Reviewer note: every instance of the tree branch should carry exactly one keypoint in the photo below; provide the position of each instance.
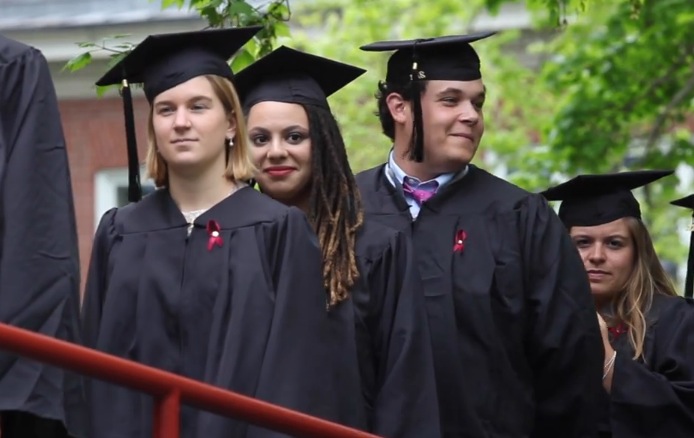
(660, 80)
(657, 82)
(662, 118)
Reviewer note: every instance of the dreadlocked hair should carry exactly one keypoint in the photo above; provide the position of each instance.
(334, 209)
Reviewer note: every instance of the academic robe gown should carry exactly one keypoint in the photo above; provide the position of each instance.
(516, 343)
(653, 396)
(39, 260)
(248, 314)
(392, 336)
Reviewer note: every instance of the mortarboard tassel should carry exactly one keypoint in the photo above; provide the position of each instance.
(134, 188)
(416, 151)
(688, 203)
(689, 280)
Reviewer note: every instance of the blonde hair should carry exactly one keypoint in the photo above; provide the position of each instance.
(239, 164)
(647, 279)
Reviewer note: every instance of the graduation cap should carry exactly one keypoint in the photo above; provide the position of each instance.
(292, 76)
(161, 62)
(447, 58)
(590, 200)
(688, 202)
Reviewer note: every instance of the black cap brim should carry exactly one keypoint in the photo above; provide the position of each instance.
(426, 43)
(583, 186)
(289, 75)
(591, 200)
(686, 202)
(138, 65)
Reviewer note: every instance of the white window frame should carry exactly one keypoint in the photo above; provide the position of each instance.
(106, 184)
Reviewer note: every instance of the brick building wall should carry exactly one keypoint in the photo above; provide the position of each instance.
(95, 136)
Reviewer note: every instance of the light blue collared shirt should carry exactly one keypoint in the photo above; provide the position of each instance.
(396, 176)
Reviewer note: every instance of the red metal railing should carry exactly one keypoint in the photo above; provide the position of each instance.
(168, 389)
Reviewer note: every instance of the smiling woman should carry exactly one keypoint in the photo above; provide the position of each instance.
(646, 328)
(202, 277)
(281, 148)
(367, 267)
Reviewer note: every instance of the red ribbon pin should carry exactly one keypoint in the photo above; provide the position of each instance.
(618, 330)
(459, 242)
(214, 231)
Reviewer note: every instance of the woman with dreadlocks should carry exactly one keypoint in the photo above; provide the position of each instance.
(646, 328)
(367, 268)
(204, 276)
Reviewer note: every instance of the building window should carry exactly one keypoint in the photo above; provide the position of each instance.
(122, 193)
(111, 190)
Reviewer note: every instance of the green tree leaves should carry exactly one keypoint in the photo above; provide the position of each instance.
(594, 86)
(273, 17)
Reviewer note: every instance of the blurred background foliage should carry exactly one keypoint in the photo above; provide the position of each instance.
(590, 86)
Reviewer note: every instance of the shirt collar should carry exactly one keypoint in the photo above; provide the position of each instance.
(400, 174)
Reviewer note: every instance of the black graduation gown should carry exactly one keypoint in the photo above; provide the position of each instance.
(653, 397)
(392, 336)
(249, 316)
(516, 343)
(39, 259)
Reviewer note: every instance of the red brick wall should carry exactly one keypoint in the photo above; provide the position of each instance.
(95, 136)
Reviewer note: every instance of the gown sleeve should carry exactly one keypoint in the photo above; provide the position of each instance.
(405, 403)
(39, 259)
(97, 278)
(302, 358)
(564, 343)
(657, 399)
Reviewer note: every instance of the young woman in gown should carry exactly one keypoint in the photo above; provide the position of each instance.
(206, 277)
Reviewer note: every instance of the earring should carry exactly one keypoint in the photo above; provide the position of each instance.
(230, 142)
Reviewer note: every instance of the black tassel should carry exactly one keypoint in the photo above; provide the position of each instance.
(134, 187)
(416, 151)
(689, 280)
